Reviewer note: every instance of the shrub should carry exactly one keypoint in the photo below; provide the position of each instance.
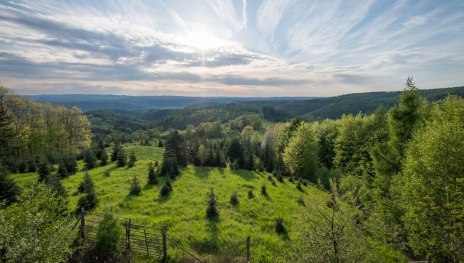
(103, 158)
(87, 184)
(107, 173)
(108, 237)
(166, 189)
(280, 178)
(234, 199)
(301, 201)
(90, 159)
(9, 191)
(250, 194)
(152, 174)
(298, 186)
(279, 226)
(62, 171)
(121, 158)
(44, 171)
(71, 165)
(132, 159)
(88, 201)
(135, 186)
(264, 190)
(211, 211)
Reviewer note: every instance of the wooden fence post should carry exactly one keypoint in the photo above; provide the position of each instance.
(248, 249)
(165, 254)
(128, 226)
(82, 229)
(146, 241)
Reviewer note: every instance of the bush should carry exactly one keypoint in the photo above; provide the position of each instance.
(121, 158)
(108, 237)
(71, 165)
(103, 158)
(166, 189)
(62, 171)
(132, 159)
(88, 201)
(135, 186)
(9, 191)
(250, 194)
(264, 190)
(152, 174)
(211, 210)
(301, 201)
(279, 226)
(44, 171)
(234, 199)
(107, 173)
(87, 184)
(280, 178)
(298, 186)
(90, 159)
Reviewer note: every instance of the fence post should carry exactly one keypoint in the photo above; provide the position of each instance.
(146, 241)
(128, 226)
(82, 229)
(165, 254)
(248, 249)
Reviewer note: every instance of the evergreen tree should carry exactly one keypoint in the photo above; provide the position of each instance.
(121, 158)
(132, 159)
(152, 175)
(90, 159)
(71, 164)
(62, 171)
(116, 149)
(103, 158)
(176, 148)
(211, 211)
(9, 191)
(135, 188)
(89, 200)
(57, 186)
(235, 153)
(44, 171)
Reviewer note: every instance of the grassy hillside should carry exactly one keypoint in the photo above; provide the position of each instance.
(184, 210)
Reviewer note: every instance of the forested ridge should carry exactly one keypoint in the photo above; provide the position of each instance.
(383, 183)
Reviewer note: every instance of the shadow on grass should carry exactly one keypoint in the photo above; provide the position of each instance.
(245, 174)
(149, 186)
(202, 172)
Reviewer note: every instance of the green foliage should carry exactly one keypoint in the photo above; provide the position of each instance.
(135, 188)
(279, 226)
(166, 189)
(212, 212)
(89, 199)
(152, 178)
(264, 190)
(121, 158)
(9, 191)
(301, 153)
(108, 238)
(44, 170)
(176, 148)
(132, 159)
(250, 194)
(57, 187)
(62, 171)
(90, 159)
(234, 199)
(433, 190)
(35, 228)
(202, 154)
(103, 158)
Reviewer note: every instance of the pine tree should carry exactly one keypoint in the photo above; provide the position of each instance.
(62, 171)
(116, 149)
(9, 191)
(44, 171)
(152, 175)
(132, 159)
(57, 186)
(71, 164)
(135, 186)
(90, 159)
(103, 158)
(121, 158)
(89, 200)
(211, 211)
(202, 154)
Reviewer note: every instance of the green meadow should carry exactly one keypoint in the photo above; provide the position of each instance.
(184, 210)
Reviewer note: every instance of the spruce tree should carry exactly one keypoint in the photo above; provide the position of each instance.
(44, 171)
(62, 171)
(152, 175)
(121, 158)
(211, 211)
(132, 159)
(135, 186)
(90, 159)
(103, 158)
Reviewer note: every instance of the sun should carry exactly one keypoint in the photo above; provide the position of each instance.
(203, 41)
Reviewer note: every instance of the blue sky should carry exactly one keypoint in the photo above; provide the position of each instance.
(230, 48)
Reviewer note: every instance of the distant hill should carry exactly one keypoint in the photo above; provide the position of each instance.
(89, 102)
(335, 107)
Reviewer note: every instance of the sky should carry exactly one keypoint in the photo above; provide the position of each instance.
(230, 48)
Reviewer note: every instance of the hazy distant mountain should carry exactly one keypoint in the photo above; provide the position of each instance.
(88, 102)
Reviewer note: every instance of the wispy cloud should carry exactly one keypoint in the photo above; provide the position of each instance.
(244, 48)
